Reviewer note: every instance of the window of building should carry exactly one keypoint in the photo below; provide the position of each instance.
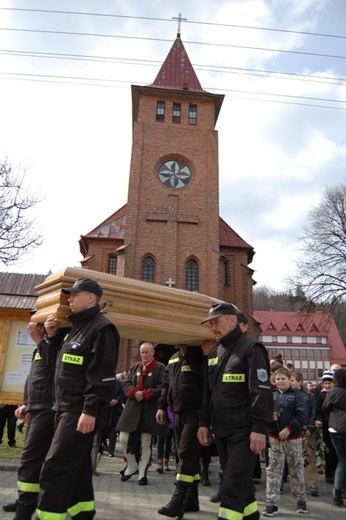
(112, 265)
(304, 339)
(274, 339)
(160, 111)
(148, 269)
(176, 112)
(295, 353)
(325, 354)
(318, 353)
(289, 339)
(311, 353)
(288, 352)
(191, 276)
(303, 353)
(305, 376)
(223, 273)
(193, 115)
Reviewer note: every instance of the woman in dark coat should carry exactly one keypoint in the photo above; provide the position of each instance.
(334, 407)
(137, 423)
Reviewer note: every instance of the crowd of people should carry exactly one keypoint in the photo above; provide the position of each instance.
(224, 399)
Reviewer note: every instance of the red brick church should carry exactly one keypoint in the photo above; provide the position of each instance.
(170, 231)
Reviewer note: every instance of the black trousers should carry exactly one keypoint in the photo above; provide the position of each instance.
(187, 445)
(66, 475)
(238, 463)
(7, 415)
(39, 434)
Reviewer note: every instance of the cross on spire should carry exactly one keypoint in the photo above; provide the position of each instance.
(180, 19)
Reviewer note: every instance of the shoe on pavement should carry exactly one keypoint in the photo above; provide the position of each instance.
(270, 510)
(11, 507)
(314, 491)
(301, 508)
(143, 481)
(125, 478)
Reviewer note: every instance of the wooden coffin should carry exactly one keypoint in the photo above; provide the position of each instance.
(140, 310)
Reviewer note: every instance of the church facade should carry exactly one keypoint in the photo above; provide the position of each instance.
(170, 232)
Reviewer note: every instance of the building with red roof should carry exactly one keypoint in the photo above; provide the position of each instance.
(310, 341)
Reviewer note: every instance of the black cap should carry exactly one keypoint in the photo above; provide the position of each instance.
(85, 284)
(218, 309)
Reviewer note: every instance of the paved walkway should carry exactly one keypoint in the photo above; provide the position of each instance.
(116, 500)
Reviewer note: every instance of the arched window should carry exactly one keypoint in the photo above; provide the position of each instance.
(148, 269)
(112, 265)
(191, 276)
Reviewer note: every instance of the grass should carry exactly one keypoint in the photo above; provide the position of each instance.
(8, 453)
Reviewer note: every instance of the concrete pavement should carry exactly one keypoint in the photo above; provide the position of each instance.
(129, 501)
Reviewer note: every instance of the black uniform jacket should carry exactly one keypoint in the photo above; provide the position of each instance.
(237, 391)
(183, 381)
(85, 368)
(39, 385)
(38, 390)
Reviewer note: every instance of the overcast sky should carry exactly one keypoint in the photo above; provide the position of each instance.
(282, 131)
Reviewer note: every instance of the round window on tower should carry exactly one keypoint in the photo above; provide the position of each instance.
(174, 174)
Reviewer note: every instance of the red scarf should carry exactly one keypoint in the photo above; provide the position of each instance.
(143, 371)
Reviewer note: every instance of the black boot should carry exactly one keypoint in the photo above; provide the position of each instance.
(218, 494)
(23, 513)
(10, 507)
(176, 505)
(337, 497)
(191, 502)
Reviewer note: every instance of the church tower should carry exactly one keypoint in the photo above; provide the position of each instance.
(172, 220)
(170, 231)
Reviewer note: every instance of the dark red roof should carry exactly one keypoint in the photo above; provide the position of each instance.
(229, 238)
(315, 324)
(177, 72)
(115, 227)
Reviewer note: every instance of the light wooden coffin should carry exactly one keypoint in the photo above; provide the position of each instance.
(140, 310)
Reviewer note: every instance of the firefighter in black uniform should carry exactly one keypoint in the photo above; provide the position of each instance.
(84, 384)
(237, 408)
(37, 411)
(183, 390)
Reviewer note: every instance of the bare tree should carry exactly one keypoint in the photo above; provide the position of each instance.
(321, 272)
(18, 231)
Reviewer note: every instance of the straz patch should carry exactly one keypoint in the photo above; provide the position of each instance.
(186, 368)
(73, 360)
(262, 375)
(233, 378)
(37, 356)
